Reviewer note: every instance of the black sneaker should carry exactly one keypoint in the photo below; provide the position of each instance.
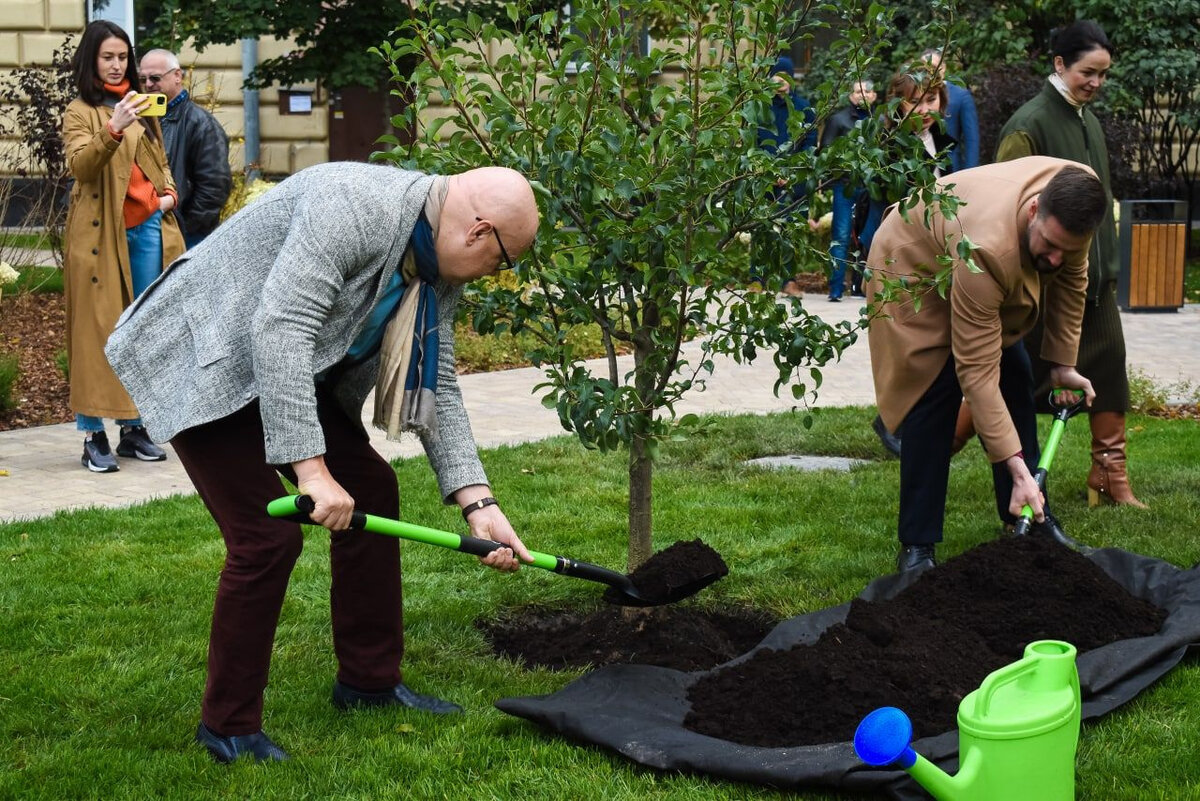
(97, 456)
(136, 443)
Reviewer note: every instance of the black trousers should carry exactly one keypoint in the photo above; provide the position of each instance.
(226, 461)
(928, 434)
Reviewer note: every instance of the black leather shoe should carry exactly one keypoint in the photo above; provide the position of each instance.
(1050, 527)
(916, 557)
(227, 749)
(345, 697)
(891, 442)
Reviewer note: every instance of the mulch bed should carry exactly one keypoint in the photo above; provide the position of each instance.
(33, 326)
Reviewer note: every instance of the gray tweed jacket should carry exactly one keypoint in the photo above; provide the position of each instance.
(274, 296)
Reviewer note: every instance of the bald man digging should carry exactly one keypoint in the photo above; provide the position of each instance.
(253, 355)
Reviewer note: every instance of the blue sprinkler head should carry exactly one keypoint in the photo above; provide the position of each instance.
(883, 738)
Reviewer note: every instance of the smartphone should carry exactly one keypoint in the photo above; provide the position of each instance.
(157, 107)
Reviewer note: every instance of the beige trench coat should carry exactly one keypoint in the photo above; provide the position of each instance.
(983, 311)
(97, 281)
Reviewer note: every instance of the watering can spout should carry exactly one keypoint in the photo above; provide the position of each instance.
(883, 739)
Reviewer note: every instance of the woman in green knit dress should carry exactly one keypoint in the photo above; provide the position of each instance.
(1057, 122)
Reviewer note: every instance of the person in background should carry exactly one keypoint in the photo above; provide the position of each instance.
(254, 355)
(197, 148)
(120, 233)
(1030, 222)
(962, 122)
(1058, 122)
(921, 96)
(777, 139)
(846, 196)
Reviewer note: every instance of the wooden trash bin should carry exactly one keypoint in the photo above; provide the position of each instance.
(1153, 244)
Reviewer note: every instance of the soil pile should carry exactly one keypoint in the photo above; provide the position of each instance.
(674, 573)
(923, 650)
(675, 637)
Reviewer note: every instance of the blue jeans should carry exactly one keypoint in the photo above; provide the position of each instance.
(145, 252)
(90, 425)
(145, 264)
(844, 199)
(871, 225)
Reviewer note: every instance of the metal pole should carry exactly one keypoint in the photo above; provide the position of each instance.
(250, 110)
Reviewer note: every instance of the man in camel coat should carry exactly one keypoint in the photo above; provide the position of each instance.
(1029, 223)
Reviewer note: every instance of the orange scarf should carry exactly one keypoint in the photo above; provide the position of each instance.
(141, 198)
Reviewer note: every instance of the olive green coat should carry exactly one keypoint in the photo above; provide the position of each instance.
(1048, 125)
(97, 281)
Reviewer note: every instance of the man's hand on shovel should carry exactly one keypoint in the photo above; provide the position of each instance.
(334, 505)
(1025, 491)
(487, 522)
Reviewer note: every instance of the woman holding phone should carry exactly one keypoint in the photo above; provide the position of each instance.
(120, 232)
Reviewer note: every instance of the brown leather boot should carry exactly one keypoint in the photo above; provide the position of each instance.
(964, 429)
(1108, 480)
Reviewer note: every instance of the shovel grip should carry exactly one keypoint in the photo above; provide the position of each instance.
(298, 509)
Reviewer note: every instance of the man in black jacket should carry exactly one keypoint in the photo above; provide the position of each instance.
(197, 148)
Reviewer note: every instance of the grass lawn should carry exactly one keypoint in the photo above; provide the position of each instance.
(105, 620)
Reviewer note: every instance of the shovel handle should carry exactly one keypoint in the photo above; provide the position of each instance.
(1066, 412)
(1061, 415)
(298, 507)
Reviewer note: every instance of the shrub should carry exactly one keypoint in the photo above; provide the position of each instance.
(10, 371)
(36, 98)
(246, 188)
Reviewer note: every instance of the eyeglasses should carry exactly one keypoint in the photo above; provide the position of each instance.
(508, 262)
(155, 78)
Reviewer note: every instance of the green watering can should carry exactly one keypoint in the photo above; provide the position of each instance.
(1017, 734)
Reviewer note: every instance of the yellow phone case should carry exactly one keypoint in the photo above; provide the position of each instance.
(157, 107)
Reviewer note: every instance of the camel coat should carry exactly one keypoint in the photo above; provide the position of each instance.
(983, 312)
(97, 281)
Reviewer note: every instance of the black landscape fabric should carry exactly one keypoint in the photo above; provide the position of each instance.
(639, 710)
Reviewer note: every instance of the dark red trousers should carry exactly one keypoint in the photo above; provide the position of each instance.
(226, 461)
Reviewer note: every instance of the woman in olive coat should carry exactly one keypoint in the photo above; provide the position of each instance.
(1057, 122)
(120, 233)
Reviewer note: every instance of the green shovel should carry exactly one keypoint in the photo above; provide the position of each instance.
(1061, 415)
(622, 590)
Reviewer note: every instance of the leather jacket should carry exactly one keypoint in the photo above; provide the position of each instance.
(198, 152)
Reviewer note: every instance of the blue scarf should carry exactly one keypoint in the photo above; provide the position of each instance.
(404, 326)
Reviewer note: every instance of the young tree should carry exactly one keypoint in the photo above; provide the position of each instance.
(643, 152)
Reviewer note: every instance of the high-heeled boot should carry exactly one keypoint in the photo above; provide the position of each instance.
(1108, 480)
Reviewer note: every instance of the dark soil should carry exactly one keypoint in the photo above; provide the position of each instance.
(922, 651)
(665, 636)
(683, 638)
(673, 574)
(33, 326)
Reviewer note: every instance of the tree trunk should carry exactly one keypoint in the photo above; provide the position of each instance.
(641, 464)
(641, 495)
